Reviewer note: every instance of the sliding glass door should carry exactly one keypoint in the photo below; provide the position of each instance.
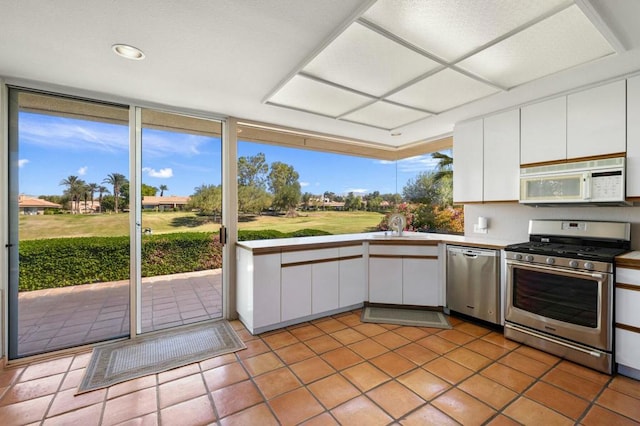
(68, 223)
(114, 219)
(181, 215)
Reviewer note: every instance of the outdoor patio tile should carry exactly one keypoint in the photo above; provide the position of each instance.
(262, 363)
(295, 407)
(130, 386)
(224, 375)
(25, 412)
(44, 369)
(256, 415)
(68, 401)
(129, 406)
(395, 399)
(86, 416)
(277, 382)
(32, 389)
(234, 398)
(362, 411)
(294, 353)
(527, 411)
(428, 415)
(333, 390)
(598, 416)
(196, 411)
(180, 390)
(464, 408)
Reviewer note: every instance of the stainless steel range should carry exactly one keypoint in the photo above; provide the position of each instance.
(560, 288)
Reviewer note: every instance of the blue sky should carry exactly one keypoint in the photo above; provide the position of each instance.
(52, 148)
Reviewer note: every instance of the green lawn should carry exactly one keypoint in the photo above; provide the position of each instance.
(105, 225)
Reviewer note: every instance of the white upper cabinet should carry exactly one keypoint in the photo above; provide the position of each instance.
(467, 161)
(543, 133)
(633, 137)
(501, 155)
(596, 121)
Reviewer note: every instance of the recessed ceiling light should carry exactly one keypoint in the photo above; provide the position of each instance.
(396, 134)
(128, 52)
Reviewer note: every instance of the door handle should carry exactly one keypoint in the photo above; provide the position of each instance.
(222, 235)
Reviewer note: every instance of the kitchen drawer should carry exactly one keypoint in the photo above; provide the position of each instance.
(628, 276)
(409, 250)
(628, 307)
(628, 348)
(351, 251)
(310, 255)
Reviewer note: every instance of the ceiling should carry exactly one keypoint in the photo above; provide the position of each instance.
(392, 72)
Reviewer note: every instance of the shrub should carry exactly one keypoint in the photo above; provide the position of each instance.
(62, 262)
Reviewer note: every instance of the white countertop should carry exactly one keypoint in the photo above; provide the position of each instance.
(412, 237)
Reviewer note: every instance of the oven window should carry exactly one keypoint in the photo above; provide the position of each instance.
(568, 299)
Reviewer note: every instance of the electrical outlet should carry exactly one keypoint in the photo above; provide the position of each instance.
(479, 230)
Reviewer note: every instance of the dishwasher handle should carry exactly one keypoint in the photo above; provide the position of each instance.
(472, 252)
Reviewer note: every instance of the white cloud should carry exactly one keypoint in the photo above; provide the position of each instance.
(162, 173)
(419, 163)
(23, 162)
(357, 191)
(303, 184)
(82, 171)
(385, 162)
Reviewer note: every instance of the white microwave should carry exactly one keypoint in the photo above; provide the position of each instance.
(585, 182)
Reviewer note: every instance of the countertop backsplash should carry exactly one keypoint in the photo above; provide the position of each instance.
(510, 221)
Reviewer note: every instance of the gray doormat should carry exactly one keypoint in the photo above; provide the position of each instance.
(403, 316)
(129, 359)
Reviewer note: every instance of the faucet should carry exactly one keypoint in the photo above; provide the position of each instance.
(397, 222)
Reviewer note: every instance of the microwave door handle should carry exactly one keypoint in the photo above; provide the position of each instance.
(586, 186)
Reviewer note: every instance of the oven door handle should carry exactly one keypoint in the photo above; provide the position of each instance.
(563, 271)
(557, 342)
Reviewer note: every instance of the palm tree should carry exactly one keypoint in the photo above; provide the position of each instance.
(74, 191)
(91, 189)
(162, 189)
(101, 191)
(444, 167)
(116, 180)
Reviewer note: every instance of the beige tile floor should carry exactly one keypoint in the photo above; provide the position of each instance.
(336, 370)
(60, 318)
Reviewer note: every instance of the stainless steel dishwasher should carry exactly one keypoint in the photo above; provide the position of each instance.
(473, 282)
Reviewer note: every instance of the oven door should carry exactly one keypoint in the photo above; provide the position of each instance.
(575, 305)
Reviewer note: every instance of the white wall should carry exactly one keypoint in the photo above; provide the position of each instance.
(510, 221)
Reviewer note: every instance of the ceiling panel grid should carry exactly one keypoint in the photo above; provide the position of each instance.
(403, 61)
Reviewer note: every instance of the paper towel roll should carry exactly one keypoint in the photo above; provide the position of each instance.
(482, 222)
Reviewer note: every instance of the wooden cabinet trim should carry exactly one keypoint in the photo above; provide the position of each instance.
(574, 160)
(627, 263)
(401, 256)
(624, 286)
(311, 262)
(628, 328)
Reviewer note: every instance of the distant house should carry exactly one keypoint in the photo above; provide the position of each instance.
(164, 203)
(34, 206)
(89, 206)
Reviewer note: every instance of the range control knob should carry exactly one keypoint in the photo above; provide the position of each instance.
(528, 258)
(517, 256)
(550, 261)
(588, 265)
(573, 263)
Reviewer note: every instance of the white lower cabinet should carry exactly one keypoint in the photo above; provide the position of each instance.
(325, 283)
(258, 289)
(352, 276)
(418, 284)
(275, 289)
(407, 275)
(296, 292)
(628, 318)
(385, 279)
